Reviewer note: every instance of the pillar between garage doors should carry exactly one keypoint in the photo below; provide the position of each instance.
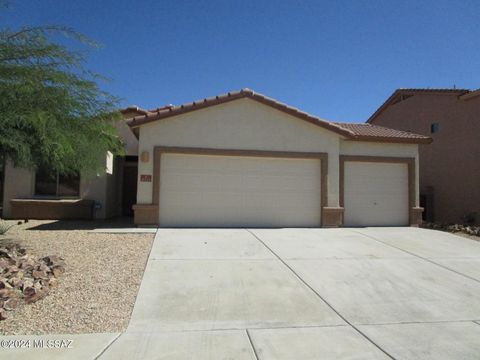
(332, 216)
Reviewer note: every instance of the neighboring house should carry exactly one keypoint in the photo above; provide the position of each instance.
(243, 159)
(450, 166)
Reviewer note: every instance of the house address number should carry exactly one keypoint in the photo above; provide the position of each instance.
(146, 178)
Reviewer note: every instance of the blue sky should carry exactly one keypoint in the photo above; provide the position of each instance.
(336, 59)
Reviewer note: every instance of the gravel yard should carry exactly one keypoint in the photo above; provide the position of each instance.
(471, 237)
(97, 291)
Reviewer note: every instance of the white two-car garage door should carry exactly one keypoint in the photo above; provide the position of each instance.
(375, 194)
(236, 191)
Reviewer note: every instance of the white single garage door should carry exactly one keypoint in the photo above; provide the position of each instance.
(375, 194)
(233, 191)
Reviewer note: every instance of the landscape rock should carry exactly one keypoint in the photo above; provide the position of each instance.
(11, 304)
(53, 260)
(24, 278)
(58, 271)
(7, 293)
(27, 264)
(39, 274)
(39, 294)
(15, 282)
(53, 282)
(3, 264)
(29, 291)
(27, 283)
(454, 228)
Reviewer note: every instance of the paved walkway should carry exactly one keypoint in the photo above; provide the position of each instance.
(299, 294)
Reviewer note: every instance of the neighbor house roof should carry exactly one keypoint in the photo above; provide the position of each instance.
(404, 93)
(344, 129)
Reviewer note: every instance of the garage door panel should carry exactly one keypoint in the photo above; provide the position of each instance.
(375, 194)
(201, 190)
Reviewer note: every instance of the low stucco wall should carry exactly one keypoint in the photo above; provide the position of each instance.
(51, 209)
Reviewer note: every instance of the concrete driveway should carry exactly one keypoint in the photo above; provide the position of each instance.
(299, 294)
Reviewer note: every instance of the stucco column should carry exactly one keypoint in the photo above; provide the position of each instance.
(332, 213)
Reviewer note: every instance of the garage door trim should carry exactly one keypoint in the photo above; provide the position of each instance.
(410, 162)
(159, 150)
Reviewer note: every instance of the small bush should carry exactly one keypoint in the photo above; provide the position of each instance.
(4, 227)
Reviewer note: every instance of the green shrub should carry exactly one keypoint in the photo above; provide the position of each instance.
(4, 227)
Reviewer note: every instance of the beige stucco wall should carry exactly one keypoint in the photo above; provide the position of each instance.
(102, 188)
(20, 184)
(384, 149)
(243, 125)
(130, 141)
(94, 187)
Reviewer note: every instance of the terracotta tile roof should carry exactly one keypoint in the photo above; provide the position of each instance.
(407, 92)
(365, 131)
(135, 109)
(170, 111)
(432, 90)
(348, 130)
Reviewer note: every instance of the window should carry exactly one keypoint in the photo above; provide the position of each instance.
(434, 128)
(45, 183)
(68, 185)
(53, 184)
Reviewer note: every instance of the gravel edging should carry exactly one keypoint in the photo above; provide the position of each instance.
(471, 237)
(98, 290)
(465, 231)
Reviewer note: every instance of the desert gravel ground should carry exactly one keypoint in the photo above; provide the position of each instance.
(98, 290)
(471, 237)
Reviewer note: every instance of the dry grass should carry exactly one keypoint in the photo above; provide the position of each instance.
(98, 290)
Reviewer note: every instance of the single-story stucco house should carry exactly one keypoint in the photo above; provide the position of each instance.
(242, 159)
